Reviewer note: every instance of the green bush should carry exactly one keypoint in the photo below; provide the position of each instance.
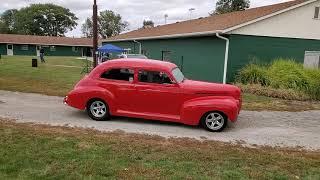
(253, 74)
(314, 83)
(284, 74)
(287, 74)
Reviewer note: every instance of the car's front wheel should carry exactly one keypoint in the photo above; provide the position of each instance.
(98, 110)
(214, 121)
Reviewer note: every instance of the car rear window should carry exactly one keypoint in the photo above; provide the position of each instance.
(122, 74)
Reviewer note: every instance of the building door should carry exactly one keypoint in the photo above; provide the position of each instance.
(38, 50)
(312, 59)
(84, 52)
(166, 56)
(10, 49)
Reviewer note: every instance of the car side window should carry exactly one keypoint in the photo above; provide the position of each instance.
(122, 74)
(154, 77)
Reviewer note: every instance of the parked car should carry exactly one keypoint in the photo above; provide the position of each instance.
(154, 90)
(132, 56)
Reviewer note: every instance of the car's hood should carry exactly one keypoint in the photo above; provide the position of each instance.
(206, 88)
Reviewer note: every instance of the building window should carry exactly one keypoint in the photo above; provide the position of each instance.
(119, 74)
(24, 47)
(52, 48)
(75, 49)
(316, 12)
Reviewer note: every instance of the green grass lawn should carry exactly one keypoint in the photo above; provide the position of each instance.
(42, 152)
(16, 74)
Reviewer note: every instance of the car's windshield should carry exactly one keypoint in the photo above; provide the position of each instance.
(178, 75)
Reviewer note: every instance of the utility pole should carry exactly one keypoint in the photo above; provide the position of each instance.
(190, 11)
(165, 18)
(95, 33)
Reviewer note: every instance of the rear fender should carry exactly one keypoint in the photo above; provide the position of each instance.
(194, 109)
(79, 97)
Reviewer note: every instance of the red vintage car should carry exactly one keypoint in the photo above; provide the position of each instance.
(157, 90)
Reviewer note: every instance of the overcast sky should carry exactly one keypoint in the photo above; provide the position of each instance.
(134, 11)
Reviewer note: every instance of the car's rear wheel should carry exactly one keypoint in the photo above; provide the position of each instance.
(98, 110)
(214, 121)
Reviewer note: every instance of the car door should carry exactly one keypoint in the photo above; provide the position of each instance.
(120, 82)
(157, 94)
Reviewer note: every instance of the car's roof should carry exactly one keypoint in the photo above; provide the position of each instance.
(136, 63)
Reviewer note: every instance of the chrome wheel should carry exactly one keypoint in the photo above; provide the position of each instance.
(214, 121)
(98, 109)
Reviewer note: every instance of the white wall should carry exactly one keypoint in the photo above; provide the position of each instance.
(297, 23)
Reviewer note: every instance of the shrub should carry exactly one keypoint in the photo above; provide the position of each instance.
(313, 77)
(253, 74)
(287, 76)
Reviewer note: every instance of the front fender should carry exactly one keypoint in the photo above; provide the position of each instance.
(194, 109)
(79, 97)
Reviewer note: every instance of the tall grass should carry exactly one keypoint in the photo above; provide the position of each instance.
(253, 74)
(282, 74)
(287, 74)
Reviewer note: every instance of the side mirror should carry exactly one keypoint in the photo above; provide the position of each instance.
(173, 82)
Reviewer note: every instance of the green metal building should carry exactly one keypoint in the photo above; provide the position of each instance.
(26, 45)
(215, 48)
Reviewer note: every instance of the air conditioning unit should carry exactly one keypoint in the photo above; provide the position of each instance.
(312, 59)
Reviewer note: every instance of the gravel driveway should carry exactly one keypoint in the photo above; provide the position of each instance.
(284, 129)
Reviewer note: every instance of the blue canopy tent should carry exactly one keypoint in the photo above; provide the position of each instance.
(109, 48)
(105, 52)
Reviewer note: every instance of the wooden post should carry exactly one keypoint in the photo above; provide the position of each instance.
(95, 32)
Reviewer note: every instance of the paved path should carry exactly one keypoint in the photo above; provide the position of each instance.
(285, 129)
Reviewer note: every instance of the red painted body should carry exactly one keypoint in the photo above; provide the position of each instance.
(184, 102)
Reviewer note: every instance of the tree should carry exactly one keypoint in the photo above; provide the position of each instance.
(87, 28)
(3, 27)
(111, 24)
(227, 6)
(45, 20)
(7, 21)
(148, 24)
